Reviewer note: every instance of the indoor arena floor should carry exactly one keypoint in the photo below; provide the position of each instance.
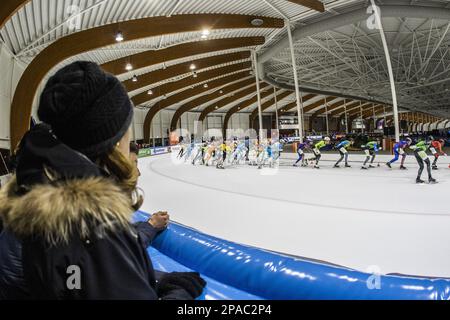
(367, 220)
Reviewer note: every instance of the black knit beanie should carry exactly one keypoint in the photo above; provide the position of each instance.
(88, 109)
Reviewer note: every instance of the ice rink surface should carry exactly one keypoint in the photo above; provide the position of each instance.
(367, 220)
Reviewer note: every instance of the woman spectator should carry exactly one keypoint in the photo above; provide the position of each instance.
(67, 211)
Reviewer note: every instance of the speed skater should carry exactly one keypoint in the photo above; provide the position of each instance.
(436, 150)
(399, 150)
(420, 152)
(342, 148)
(301, 147)
(321, 144)
(370, 149)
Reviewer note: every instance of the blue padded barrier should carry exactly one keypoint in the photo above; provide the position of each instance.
(214, 289)
(275, 276)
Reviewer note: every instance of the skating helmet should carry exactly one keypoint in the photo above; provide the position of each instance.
(430, 138)
(441, 140)
(327, 139)
(408, 141)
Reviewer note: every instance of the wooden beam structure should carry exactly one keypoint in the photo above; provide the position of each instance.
(205, 76)
(177, 70)
(185, 95)
(243, 105)
(270, 103)
(183, 50)
(285, 109)
(312, 4)
(207, 98)
(230, 99)
(103, 36)
(8, 8)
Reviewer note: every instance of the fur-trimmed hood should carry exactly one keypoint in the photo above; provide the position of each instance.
(55, 210)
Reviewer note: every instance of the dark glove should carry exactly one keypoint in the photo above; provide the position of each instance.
(191, 282)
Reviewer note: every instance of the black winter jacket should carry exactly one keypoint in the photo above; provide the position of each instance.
(112, 260)
(66, 232)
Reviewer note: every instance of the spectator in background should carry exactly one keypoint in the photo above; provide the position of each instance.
(66, 213)
(134, 152)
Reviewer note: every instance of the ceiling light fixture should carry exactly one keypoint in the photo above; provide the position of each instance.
(257, 22)
(205, 85)
(129, 67)
(150, 92)
(205, 33)
(192, 67)
(135, 79)
(119, 36)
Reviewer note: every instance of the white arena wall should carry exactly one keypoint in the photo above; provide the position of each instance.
(11, 71)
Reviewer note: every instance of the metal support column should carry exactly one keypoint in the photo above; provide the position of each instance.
(391, 73)
(258, 94)
(361, 116)
(374, 118)
(161, 129)
(297, 92)
(276, 107)
(326, 117)
(346, 118)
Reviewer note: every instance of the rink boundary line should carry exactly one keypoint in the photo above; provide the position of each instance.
(291, 201)
(341, 170)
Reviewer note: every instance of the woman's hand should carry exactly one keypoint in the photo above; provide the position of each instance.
(159, 220)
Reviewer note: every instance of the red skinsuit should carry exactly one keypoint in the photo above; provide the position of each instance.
(438, 146)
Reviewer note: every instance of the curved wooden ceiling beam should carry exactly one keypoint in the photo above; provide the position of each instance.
(103, 36)
(245, 91)
(205, 99)
(363, 108)
(186, 94)
(243, 105)
(270, 103)
(264, 105)
(148, 58)
(319, 103)
(329, 108)
(182, 68)
(370, 114)
(312, 4)
(355, 106)
(311, 106)
(316, 104)
(189, 81)
(8, 8)
(367, 114)
(285, 109)
(341, 110)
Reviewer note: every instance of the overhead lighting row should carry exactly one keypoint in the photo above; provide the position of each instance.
(119, 35)
(128, 67)
(205, 34)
